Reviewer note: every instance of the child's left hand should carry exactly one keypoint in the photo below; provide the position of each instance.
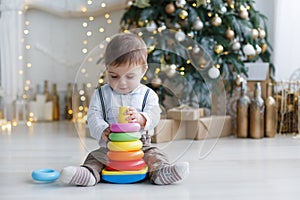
(135, 116)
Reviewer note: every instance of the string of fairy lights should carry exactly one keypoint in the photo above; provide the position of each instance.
(25, 69)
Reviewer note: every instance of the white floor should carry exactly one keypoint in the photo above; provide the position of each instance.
(227, 168)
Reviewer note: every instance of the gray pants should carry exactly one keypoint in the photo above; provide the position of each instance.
(154, 158)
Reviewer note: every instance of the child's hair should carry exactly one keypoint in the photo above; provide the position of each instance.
(126, 49)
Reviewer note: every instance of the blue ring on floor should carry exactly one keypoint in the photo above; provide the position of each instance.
(45, 175)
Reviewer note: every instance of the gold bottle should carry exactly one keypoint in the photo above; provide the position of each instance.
(256, 126)
(270, 112)
(242, 112)
(55, 99)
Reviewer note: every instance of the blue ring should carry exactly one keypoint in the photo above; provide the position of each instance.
(45, 175)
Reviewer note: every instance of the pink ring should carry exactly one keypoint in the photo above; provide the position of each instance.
(129, 127)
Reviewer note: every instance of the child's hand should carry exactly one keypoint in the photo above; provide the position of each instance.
(135, 116)
(105, 134)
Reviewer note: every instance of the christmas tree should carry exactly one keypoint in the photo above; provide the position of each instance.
(232, 32)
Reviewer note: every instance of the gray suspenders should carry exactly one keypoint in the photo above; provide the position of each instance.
(103, 104)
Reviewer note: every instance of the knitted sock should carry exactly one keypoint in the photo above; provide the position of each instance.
(80, 176)
(172, 173)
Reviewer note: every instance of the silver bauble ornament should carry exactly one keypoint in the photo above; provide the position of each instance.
(216, 21)
(198, 25)
(171, 71)
(213, 73)
(236, 46)
(196, 49)
(180, 3)
(180, 36)
(151, 26)
(156, 82)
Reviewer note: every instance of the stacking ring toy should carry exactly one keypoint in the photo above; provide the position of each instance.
(125, 155)
(45, 175)
(129, 127)
(124, 137)
(124, 177)
(133, 165)
(125, 146)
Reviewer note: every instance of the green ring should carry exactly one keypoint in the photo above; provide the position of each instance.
(124, 137)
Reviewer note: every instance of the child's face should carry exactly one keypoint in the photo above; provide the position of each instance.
(124, 79)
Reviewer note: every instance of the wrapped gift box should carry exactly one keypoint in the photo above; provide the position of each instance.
(168, 130)
(185, 113)
(202, 128)
(209, 127)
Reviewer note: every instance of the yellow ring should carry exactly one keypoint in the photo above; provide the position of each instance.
(125, 146)
(142, 171)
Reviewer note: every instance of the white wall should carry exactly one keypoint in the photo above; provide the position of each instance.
(57, 42)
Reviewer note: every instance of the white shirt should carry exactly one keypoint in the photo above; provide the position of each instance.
(113, 101)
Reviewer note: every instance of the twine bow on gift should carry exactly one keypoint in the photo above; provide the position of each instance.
(183, 107)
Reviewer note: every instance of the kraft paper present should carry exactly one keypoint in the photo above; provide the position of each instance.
(209, 127)
(183, 113)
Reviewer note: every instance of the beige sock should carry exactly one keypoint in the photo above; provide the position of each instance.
(172, 173)
(80, 176)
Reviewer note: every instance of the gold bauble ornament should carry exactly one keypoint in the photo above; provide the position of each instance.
(244, 14)
(170, 8)
(230, 34)
(218, 49)
(141, 23)
(264, 47)
(156, 82)
(216, 21)
(262, 34)
(150, 48)
(183, 14)
(254, 33)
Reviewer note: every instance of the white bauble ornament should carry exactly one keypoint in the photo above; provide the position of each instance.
(198, 25)
(236, 46)
(258, 49)
(213, 73)
(180, 36)
(223, 10)
(249, 50)
(151, 26)
(180, 3)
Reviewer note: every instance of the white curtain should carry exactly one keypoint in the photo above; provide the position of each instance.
(287, 39)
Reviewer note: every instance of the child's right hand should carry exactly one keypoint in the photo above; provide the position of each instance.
(105, 134)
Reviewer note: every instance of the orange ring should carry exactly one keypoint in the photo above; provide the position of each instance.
(133, 165)
(125, 155)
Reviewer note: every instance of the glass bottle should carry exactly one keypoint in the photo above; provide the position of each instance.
(270, 113)
(256, 126)
(242, 112)
(68, 103)
(55, 99)
(75, 102)
(46, 91)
